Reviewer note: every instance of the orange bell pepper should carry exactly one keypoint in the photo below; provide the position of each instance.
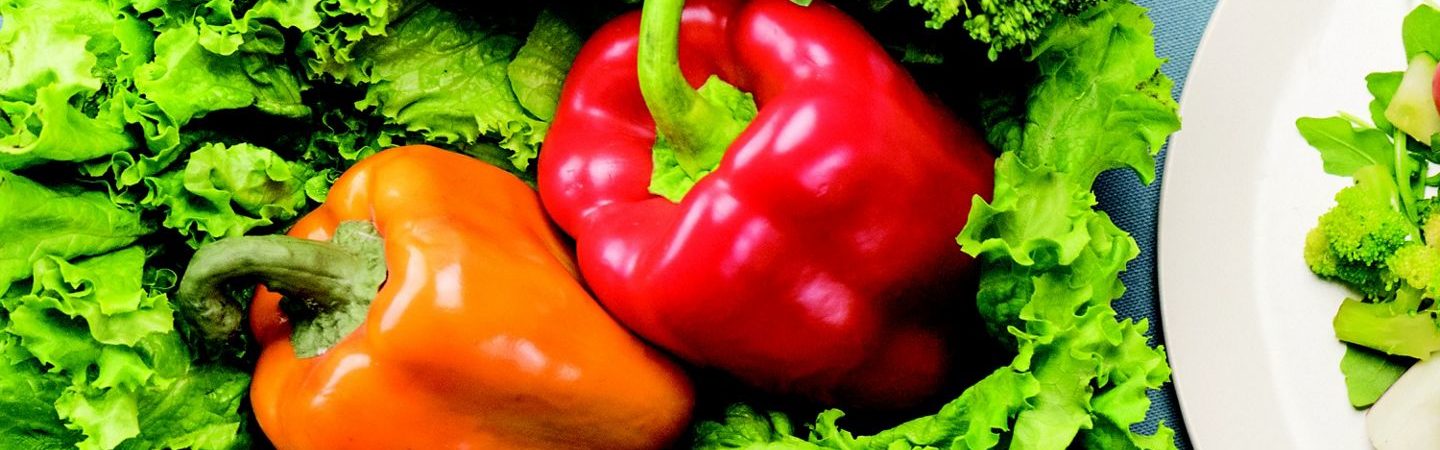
(482, 335)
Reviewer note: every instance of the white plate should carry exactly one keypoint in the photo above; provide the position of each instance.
(1248, 327)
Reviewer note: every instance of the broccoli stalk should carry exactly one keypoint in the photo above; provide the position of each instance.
(1396, 327)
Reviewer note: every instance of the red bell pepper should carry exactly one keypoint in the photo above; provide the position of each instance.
(818, 256)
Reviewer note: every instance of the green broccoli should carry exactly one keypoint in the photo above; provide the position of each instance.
(1430, 229)
(1355, 240)
(1419, 265)
(1002, 24)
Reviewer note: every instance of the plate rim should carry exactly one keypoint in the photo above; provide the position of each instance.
(1208, 405)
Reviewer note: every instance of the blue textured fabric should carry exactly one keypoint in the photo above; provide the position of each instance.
(1179, 25)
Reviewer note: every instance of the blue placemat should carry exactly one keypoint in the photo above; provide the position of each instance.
(1179, 25)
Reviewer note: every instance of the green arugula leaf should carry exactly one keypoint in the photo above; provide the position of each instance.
(1345, 148)
(1383, 85)
(1368, 374)
(1418, 32)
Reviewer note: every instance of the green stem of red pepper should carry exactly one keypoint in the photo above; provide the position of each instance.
(697, 129)
(323, 276)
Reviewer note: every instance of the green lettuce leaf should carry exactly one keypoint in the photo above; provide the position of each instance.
(667, 178)
(74, 313)
(745, 427)
(187, 80)
(1038, 219)
(541, 64)
(107, 418)
(52, 129)
(195, 410)
(89, 354)
(1097, 107)
(977, 419)
(51, 73)
(406, 81)
(37, 53)
(229, 190)
(112, 352)
(1101, 104)
(27, 401)
(63, 222)
(330, 47)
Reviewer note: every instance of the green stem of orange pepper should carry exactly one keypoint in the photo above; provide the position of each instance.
(324, 276)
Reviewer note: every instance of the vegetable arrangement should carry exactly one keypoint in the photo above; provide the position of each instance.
(135, 133)
(1382, 238)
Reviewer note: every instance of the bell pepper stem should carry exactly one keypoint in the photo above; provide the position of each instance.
(325, 274)
(693, 125)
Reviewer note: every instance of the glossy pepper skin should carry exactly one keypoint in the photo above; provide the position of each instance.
(819, 258)
(482, 336)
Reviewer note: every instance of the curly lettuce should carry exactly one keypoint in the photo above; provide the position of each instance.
(131, 132)
(90, 356)
(460, 107)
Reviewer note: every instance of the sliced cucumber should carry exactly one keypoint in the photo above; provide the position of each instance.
(1413, 109)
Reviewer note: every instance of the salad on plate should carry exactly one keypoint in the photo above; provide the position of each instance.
(1382, 240)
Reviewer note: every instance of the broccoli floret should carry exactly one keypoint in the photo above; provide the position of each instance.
(1354, 239)
(1364, 228)
(1002, 24)
(1364, 277)
(1418, 266)
(1430, 227)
